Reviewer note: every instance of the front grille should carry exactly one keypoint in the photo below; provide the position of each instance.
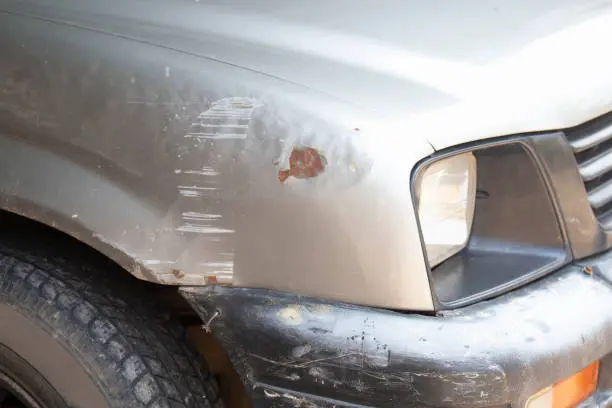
(592, 145)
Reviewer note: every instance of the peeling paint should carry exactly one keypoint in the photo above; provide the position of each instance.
(304, 163)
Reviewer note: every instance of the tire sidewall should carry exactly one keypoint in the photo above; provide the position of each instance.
(40, 347)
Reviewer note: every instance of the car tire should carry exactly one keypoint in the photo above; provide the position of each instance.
(72, 335)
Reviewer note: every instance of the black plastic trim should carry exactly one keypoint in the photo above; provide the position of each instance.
(478, 356)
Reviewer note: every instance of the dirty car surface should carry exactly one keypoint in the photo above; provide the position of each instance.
(269, 157)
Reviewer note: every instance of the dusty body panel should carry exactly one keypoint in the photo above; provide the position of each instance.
(434, 71)
(170, 164)
(174, 124)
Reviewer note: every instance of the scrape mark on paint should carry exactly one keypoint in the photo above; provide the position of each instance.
(205, 171)
(227, 118)
(291, 315)
(271, 394)
(201, 223)
(149, 262)
(194, 191)
(304, 163)
(196, 216)
(202, 229)
(206, 160)
(301, 351)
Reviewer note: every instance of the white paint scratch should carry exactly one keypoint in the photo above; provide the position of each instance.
(202, 229)
(227, 118)
(205, 171)
(194, 191)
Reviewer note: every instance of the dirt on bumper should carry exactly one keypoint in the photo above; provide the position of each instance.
(296, 351)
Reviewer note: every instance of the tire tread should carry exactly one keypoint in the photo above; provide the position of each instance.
(139, 355)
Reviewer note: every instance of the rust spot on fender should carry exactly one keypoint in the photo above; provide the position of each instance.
(304, 163)
(178, 274)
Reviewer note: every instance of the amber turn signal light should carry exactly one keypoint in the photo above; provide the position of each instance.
(569, 392)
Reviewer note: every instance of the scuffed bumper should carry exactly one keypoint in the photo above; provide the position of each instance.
(296, 351)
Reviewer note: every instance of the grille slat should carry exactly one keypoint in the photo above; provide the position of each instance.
(605, 220)
(592, 146)
(588, 142)
(596, 167)
(601, 195)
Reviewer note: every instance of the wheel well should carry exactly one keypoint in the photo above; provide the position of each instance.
(232, 389)
(77, 251)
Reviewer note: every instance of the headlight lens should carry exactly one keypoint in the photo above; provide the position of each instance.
(446, 193)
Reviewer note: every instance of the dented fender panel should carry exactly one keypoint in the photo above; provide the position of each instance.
(189, 170)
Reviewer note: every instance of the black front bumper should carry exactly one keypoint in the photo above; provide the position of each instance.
(294, 351)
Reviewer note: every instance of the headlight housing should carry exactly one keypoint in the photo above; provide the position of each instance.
(487, 221)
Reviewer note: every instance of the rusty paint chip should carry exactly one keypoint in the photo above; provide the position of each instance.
(588, 270)
(304, 163)
(178, 274)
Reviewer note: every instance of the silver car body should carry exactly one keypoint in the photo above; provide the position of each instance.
(375, 86)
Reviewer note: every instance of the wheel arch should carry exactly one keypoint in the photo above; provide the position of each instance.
(28, 231)
(48, 188)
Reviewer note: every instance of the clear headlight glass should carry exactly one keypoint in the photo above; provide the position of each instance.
(446, 193)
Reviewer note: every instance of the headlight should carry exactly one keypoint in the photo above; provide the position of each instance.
(446, 193)
(485, 235)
